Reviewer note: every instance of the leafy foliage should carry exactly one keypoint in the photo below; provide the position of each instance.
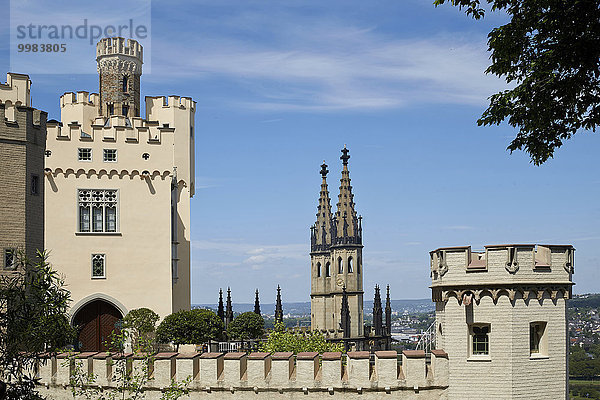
(248, 325)
(142, 324)
(143, 320)
(281, 339)
(33, 317)
(189, 327)
(551, 51)
(581, 365)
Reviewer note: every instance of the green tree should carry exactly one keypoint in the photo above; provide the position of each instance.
(248, 325)
(281, 339)
(550, 51)
(189, 327)
(142, 324)
(33, 317)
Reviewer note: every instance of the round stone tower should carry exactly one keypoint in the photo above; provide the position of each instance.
(120, 68)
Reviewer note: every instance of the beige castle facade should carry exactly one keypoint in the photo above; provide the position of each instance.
(501, 317)
(117, 219)
(22, 146)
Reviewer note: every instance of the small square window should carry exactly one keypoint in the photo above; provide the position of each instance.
(98, 266)
(35, 184)
(85, 154)
(110, 155)
(10, 259)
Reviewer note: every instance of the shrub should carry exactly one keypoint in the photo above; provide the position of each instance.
(281, 340)
(141, 323)
(248, 325)
(189, 327)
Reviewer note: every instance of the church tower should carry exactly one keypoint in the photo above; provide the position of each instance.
(336, 258)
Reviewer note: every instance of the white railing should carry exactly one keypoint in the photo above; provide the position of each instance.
(427, 339)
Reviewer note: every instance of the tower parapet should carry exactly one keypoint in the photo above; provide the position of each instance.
(502, 270)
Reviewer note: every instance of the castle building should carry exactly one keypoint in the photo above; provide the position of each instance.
(501, 317)
(22, 146)
(117, 221)
(336, 260)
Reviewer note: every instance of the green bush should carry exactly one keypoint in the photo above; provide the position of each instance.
(189, 327)
(282, 340)
(141, 323)
(248, 325)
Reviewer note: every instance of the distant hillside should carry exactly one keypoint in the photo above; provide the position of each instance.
(585, 300)
(303, 308)
(401, 306)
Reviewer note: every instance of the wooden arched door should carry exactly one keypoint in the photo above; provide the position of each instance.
(96, 321)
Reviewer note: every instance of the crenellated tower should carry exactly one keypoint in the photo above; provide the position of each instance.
(501, 314)
(120, 68)
(336, 259)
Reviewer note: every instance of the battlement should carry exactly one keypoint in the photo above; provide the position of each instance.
(300, 375)
(506, 266)
(16, 90)
(81, 97)
(119, 46)
(169, 102)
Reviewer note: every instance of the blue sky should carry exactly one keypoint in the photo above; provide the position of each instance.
(280, 86)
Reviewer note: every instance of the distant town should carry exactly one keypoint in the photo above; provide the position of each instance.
(412, 318)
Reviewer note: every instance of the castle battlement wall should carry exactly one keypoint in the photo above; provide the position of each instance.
(16, 90)
(271, 374)
(80, 97)
(119, 46)
(503, 269)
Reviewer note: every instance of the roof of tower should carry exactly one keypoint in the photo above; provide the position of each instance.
(345, 216)
(322, 228)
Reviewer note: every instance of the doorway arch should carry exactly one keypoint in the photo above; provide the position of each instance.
(95, 321)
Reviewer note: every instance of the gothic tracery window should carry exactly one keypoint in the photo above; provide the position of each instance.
(97, 210)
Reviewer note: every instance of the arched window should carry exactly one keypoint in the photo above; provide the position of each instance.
(340, 266)
(318, 269)
(358, 265)
(350, 269)
(125, 83)
(328, 269)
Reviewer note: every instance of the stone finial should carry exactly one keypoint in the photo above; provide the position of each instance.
(345, 157)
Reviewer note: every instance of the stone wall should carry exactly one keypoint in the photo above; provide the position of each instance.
(22, 146)
(237, 375)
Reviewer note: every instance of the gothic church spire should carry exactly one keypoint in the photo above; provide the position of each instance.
(278, 307)
(256, 304)
(377, 313)
(221, 309)
(348, 229)
(321, 233)
(228, 309)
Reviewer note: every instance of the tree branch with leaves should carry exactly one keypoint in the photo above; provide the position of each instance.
(550, 50)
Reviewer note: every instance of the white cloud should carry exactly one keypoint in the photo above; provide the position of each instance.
(327, 67)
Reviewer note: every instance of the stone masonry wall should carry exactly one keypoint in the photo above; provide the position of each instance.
(22, 145)
(237, 375)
